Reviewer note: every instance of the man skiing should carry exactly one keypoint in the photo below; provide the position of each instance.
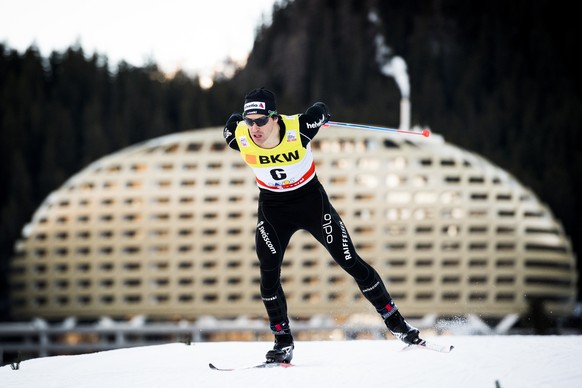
(277, 148)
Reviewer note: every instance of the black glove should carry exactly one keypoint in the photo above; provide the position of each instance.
(234, 119)
(323, 110)
(230, 126)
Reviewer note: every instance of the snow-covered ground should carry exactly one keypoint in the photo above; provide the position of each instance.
(476, 361)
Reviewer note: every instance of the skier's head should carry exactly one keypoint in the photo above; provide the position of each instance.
(260, 101)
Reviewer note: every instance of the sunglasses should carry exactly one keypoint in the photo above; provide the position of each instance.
(260, 121)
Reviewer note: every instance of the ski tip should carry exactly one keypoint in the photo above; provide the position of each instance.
(430, 346)
(441, 348)
(213, 367)
(444, 348)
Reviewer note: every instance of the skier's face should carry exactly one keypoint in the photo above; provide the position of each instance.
(266, 135)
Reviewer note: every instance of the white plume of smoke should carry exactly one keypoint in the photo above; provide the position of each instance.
(393, 66)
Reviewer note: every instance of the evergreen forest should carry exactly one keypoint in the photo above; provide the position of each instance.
(499, 78)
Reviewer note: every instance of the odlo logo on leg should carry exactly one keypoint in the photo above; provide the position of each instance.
(327, 228)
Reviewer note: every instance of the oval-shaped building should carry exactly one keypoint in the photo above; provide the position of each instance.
(166, 228)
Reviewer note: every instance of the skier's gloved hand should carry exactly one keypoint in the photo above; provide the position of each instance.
(230, 126)
(234, 119)
(323, 110)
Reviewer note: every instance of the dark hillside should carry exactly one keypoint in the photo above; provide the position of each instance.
(500, 78)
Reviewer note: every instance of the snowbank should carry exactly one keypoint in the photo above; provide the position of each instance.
(476, 361)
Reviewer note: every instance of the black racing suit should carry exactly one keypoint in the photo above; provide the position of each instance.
(281, 214)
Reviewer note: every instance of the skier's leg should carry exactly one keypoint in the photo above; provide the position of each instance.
(270, 244)
(332, 233)
(271, 240)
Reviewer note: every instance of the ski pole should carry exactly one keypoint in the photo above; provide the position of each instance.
(425, 132)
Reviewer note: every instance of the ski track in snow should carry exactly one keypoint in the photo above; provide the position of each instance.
(476, 361)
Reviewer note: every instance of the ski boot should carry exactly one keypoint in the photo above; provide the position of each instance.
(282, 351)
(402, 330)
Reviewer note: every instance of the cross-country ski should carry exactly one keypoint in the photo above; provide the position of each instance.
(262, 365)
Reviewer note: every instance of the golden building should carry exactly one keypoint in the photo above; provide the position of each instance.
(166, 228)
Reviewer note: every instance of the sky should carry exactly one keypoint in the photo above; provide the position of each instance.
(194, 36)
(476, 361)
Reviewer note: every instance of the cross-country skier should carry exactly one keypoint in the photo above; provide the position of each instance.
(277, 148)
